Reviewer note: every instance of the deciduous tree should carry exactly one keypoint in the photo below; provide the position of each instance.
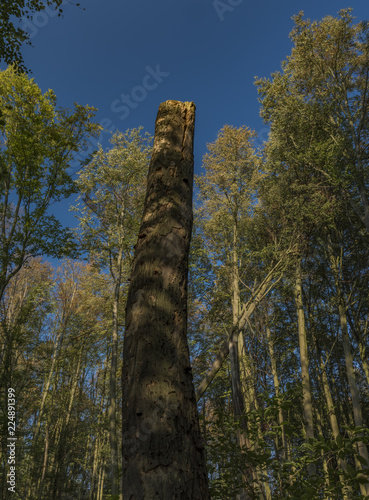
(37, 144)
(112, 188)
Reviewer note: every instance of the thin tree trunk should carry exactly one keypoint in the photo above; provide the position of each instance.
(60, 444)
(94, 466)
(99, 438)
(235, 353)
(361, 340)
(100, 484)
(356, 407)
(322, 454)
(247, 310)
(114, 471)
(46, 387)
(304, 360)
(346, 490)
(234, 348)
(38, 419)
(163, 451)
(41, 411)
(273, 362)
(85, 467)
(45, 391)
(261, 473)
(336, 264)
(44, 465)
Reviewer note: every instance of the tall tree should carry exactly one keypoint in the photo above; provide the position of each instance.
(24, 310)
(318, 148)
(304, 361)
(317, 105)
(163, 452)
(336, 261)
(75, 341)
(227, 194)
(112, 188)
(37, 144)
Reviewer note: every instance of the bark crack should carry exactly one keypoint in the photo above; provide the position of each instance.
(184, 131)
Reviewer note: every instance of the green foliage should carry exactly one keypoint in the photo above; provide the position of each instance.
(59, 322)
(306, 197)
(288, 477)
(316, 108)
(228, 189)
(12, 36)
(37, 144)
(112, 188)
(327, 485)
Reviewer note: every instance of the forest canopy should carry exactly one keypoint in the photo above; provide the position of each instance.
(278, 296)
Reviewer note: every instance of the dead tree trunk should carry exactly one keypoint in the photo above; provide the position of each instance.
(163, 452)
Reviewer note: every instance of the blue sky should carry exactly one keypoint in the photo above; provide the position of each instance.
(204, 51)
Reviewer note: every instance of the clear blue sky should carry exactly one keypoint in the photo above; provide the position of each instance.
(205, 51)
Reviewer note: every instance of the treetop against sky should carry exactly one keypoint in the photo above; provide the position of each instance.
(127, 58)
(274, 330)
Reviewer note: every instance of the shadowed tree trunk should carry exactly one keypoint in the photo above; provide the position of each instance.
(235, 355)
(336, 265)
(113, 441)
(307, 402)
(163, 451)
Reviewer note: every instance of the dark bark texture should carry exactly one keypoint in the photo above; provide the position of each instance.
(163, 452)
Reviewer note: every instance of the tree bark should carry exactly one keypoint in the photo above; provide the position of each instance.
(356, 407)
(273, 362)
(234, 348)
(361, 339)
(346, 490)
(100, 484)
(97, 459)
(163, 451)
(113, 440)
(235, 354)
(336, 264)
(304, 359)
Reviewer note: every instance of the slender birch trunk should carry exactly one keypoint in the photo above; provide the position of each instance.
(99, 438)
(235, 348)
(113, 441)
(304, 360)
(346, 490)
(94, 466)
(44, 465)
(361, 340)
(46, 387)
(273, 363)
(100, 485)
(322, 454)
(38, 419)
(356, 407)
(235, 354)
(336, 263)
(59, 443)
